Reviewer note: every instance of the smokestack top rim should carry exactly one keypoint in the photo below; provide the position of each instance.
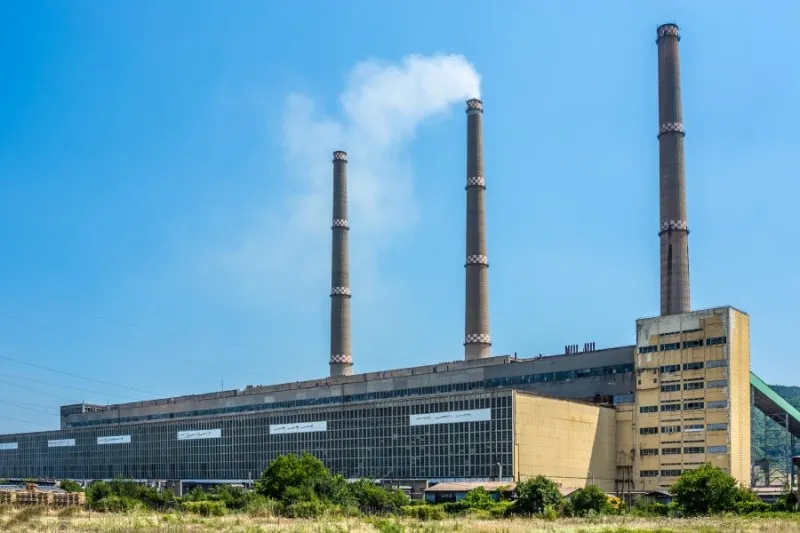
(339, 155)
(670, 29)
(474, 104)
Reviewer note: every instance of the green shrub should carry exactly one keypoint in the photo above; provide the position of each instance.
(261, 506)
(707, 490)
(115, 504)
(70, 486)
(501, 509)
(752, 507)
(388, 526)
(307, 509)
(550, 513)
(589, 501)
(423, 512)
(534, 495)
(205, 508)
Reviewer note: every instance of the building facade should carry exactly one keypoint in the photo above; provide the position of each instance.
(692, 396)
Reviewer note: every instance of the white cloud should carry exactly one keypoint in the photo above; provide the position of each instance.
(382, 106)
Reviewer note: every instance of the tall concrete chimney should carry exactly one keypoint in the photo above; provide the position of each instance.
(477, 341)
(674, 229)
(341, 359)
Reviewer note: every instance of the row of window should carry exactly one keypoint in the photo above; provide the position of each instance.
(687, 406)
(686, 428)
(712, 341)
(664, 473)
(490, 383)
(689, 449)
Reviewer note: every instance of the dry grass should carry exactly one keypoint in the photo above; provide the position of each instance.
(38, 520)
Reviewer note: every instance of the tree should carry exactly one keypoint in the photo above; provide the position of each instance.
(372, 498)
(303, 475)
(534, 495)
(706, 490)
(70, 486)
(589, 499)
(477, 498)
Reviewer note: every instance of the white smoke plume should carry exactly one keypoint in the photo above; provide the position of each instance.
(382, 106)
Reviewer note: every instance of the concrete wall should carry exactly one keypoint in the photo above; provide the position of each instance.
(565, 441)
(739, 392)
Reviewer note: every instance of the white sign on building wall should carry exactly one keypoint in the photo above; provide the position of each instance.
(450, 417)
(300, 427)
(118, 439)
(60, 443)
(8, 445)
(200, 434)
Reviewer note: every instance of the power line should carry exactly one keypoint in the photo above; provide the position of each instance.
(34, 365)
(24, 421)
(38, 391)
(137, 326)
(36, 405)
(19, 406)
(69, 387)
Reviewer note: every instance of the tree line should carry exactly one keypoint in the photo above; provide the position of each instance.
(301, 486)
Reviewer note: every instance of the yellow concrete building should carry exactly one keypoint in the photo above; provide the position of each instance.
(570, 442)
(692, 398)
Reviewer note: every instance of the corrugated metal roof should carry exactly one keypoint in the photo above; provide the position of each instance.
(466, 487)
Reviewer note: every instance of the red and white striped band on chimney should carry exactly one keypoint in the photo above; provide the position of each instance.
(344, 358)
(668, 30)
(474, 106)
(477, 338)
(340, 291)
(671, 127)
(477, 260)
(674, 224)
(476, 181)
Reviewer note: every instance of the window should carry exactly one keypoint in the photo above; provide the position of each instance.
(694, 449)
(670, 429)
(620, 399)
(670, 368)
(717, 449)
(718, 384)
(670, 473)
(649, 473)
(648, 451)
(671, 407)
(718, 404)
(648, 409)
(670, 388)
(670, 346)
(693, 427)
(718, 427)
(648, 431)
(716, 341)
(697, 385)
(670, 451)
(690, 406)
(693, 366)
(648, 349)
(716, 363)
(693, 344)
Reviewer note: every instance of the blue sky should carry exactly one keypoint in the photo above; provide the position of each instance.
(164, 184)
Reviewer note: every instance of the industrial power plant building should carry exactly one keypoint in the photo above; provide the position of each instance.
(627, 418)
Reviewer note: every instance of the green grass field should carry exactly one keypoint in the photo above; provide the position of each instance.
(74, 521)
